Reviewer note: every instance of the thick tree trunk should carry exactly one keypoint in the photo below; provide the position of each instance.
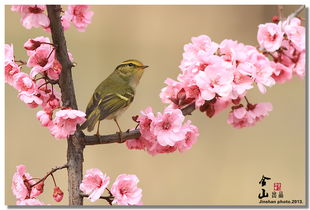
(75, 142)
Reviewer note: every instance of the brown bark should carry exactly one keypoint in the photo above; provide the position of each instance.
(75, 142)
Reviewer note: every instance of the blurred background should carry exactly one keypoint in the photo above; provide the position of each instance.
(223, 168)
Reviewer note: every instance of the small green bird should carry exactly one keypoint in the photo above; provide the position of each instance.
(113, 96)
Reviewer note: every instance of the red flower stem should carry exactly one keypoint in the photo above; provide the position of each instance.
(247, 100)
(53, 179)
(50, 53)
(49, 173)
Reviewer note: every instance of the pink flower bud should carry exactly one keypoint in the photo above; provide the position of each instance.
(57, 194)
(32, 44)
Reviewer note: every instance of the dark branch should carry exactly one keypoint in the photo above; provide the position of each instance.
(115, 138)
(50, 173)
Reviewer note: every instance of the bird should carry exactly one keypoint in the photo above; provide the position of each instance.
(114, 95)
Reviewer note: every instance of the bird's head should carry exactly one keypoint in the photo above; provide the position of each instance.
(131, 70)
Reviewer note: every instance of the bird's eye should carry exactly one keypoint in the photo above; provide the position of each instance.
(130, 64)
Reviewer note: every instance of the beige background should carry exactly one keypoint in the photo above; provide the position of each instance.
(223, 167)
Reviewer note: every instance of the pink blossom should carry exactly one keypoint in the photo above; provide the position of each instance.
(8, 54)
(22, 82)
(44, 118)
(295, 33)
(125, 190)
(299, 69)
(79, 15)
(19, 188)
(281, 73)
(242, 82)
(139, 143)
(167, 127)
(245, 117)
(264, 71)
(54, 71)
(41, 61)
(21, 184)
(94, 183)
(155, 148)
(170, 91)
(270, 36)
(29, 202)
(145, 120)
(10, 70)
(65, 121)
(31, 45)
(32, 100)
(57, 194)
(32, 15)
(216, 79)
(190, 137)
(51, 103)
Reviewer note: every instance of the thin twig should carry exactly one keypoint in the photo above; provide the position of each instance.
(49, 173)
(294, 14)
(114, 138)
(280, 12)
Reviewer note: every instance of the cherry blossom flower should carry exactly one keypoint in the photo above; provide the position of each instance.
(125, 190)
(10, 70)
(32, 15)
(94, 183)
(245, 117)
(10, 67)
(57, 194)
(65, 121)
(32, 100)
(21, 183)
(31, 45)
(214, 80)
(167, 127)
(79, 15)
(190, 137)
(44, 118)
(139, 143)
(299, 69)
(281, 73)
(145, 120)
(41, 61)
(29, 202)
(270, 36)
(22, 82)
(295, 33)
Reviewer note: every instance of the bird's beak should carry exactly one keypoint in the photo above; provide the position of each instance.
(143, 67)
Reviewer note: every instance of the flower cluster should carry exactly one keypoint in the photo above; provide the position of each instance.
(164, 133)
(34, 16)
(26, 189)
(241, 117)
(22, 188)
(285, 42)
(214, 76)
(124, 190)
(37, 88)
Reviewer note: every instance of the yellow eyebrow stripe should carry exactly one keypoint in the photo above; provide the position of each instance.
(135, 62)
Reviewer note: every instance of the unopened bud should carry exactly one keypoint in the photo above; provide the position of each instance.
(275, 19)
(32, 44)
(58, 194)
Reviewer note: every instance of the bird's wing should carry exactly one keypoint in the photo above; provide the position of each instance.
(93, 103)
(112, 102)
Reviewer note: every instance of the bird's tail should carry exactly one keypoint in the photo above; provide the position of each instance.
(91, 121)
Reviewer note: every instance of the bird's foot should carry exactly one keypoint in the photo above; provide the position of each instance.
(120, 137)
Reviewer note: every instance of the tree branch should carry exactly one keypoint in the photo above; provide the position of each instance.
(115, 138)
(75, 142)
(50, 173)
